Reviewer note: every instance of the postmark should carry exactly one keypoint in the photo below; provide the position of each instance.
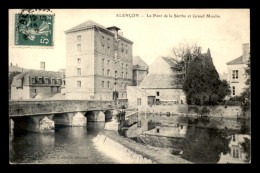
(34, 29)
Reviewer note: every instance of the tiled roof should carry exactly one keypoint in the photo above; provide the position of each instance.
(170, 61)
(161, 81)
(86, 25)
(15, 68)
(38, 73)
(139, 63)
(238, 60)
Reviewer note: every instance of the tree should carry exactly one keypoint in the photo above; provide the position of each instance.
(202, 84)
(183, 55)
(246, 95)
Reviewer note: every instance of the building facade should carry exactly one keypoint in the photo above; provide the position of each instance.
(236, 76)
(164, 82)
(140, 70)
(36, 84)
(99, 62)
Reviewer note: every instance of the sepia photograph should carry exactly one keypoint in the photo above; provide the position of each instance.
(129, 86)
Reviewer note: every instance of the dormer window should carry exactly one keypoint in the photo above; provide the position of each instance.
(33, 80)
(40, 80)
(46, 80)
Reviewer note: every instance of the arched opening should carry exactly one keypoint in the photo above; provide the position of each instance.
(108, 115)
(90, 116)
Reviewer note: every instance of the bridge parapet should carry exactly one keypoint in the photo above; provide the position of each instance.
(20, 108)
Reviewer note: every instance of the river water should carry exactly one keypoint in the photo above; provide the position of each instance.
(67, 145)
(74, 145)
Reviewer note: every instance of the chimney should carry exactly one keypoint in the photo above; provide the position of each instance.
(42, 66)
(246, 52)
(120, 33)
(114, 29)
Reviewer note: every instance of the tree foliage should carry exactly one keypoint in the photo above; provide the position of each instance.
(202, 84)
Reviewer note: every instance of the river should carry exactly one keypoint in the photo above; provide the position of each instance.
(67, 145)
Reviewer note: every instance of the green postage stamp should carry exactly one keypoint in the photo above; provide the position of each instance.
(34, 29)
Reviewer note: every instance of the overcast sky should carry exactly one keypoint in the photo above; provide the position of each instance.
(152, 36)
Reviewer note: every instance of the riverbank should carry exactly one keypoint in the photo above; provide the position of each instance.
(128, 151)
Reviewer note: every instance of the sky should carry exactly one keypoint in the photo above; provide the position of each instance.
(152, 32)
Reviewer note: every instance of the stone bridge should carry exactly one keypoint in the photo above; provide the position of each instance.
(43, 115)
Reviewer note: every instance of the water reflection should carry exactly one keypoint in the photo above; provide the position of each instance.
(206, 145)
(67, 145)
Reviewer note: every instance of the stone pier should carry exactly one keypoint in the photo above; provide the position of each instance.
(71, 119)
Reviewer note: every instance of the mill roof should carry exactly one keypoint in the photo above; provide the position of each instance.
(238, 60)
(162, 81)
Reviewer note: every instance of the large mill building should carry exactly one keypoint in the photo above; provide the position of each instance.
(99, 62)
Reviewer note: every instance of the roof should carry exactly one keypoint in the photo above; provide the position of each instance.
(113, 27)
(239, 138)
(16, 69)
(161, 81)
(86, 25)
(138, 63)
(170, 61)
(146, 93)
(238, 60)
(38, 73)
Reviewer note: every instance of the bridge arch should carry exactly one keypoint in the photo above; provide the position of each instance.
(108, 115)
(90, 116)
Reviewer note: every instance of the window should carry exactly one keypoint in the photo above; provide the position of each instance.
(108, 84)
(108, 72)
(235, 74)
(102, 40)
(108, 62)
(158, 130)
(158, 93)
(79, 47)
(59, 81)
(126, 75)
(103, 84)
(79, 83)
(79, 38)
(108, 43)
(122, 65)
(51, 89)
(234, 90)
(79, 60)
(122, 48)
(103, 62)
(126, 49)
(122, 74)
(126, 66)
(115, 73)
(46, 80)
(33, 80)
(235, 153)
(139, 101)
(103, 71)
(53, 81)
(40, 80)
(35, 90)
(79, 71)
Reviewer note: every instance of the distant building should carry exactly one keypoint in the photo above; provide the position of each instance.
(36, 84)
(164, 82)
(99, 62)
(236, 71)
(236, 154)
(140, 70)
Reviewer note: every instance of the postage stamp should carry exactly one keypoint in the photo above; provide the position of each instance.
(34, 29)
